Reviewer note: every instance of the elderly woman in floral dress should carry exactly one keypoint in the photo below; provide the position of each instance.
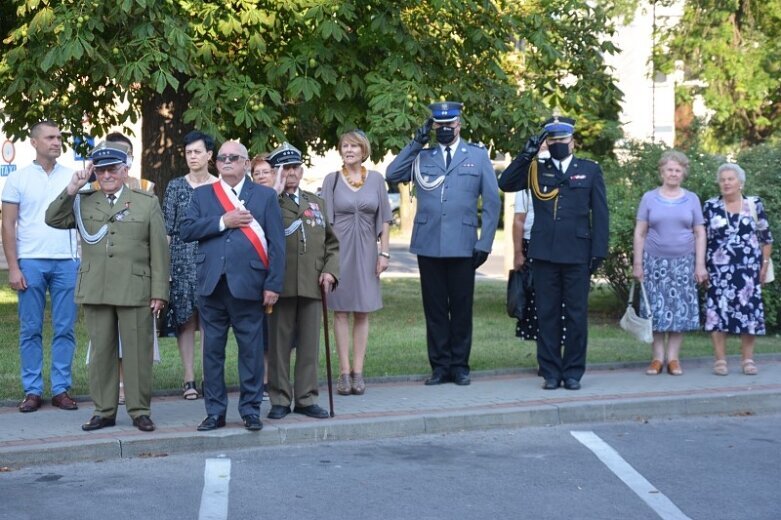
(739, 244)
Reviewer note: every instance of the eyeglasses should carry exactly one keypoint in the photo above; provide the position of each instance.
(263, 173)
(230, 158)
(111, 170)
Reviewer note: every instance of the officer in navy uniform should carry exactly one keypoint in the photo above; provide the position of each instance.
(450, 178)
(568, 243)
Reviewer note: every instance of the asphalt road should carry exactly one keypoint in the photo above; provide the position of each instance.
(719, 468)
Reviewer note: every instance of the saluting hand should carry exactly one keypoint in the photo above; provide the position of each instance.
(533, 144)
(79, 179)
(421, 136)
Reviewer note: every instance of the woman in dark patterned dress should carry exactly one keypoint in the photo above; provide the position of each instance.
(182, 316)
(739, 244)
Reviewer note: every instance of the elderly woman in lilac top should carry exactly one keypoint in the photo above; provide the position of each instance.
(669, 259)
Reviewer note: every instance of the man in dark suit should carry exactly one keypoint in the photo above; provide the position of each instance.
(569, 241)
(240, 269)
(450, 180)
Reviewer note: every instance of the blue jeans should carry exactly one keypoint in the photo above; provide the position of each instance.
(59, 277)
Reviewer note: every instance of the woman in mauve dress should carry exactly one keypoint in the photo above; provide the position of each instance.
(359, 211)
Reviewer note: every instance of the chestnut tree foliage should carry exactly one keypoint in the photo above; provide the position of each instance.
(730, 50)
(265, 71)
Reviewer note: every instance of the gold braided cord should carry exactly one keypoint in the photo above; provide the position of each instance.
(533, 182)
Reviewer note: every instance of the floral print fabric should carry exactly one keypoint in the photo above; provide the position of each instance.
(733, 258)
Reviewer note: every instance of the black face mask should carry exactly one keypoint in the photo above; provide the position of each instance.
(446, 135)
(559, 151)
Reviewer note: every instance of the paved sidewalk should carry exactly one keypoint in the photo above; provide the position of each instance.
(396, 409)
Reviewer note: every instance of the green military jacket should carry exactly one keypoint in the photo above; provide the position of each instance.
(311, 247)
(129, 266)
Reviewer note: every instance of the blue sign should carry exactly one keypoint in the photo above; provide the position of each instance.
(6, 169)
(77, 140)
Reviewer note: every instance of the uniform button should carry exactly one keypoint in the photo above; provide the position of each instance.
(110, 255)
(111, 244)
(228, 240)
(113, 232)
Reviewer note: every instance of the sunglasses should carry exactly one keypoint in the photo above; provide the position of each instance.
(230, 158)
(111, 170)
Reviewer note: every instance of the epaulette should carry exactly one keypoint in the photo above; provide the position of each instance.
(142, 192)
(310, 194)
(87, 190)
(476, 145)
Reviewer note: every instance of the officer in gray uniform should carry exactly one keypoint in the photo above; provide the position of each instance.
(449, 180)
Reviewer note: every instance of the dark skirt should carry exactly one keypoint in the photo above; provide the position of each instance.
(526, 328)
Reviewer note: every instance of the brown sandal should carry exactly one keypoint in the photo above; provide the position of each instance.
(720, 367)
(343, 385)
(749, 367)
(357, 383)
(674, 368)
(655, 368)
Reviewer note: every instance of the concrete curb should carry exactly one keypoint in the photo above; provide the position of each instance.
(727, 402)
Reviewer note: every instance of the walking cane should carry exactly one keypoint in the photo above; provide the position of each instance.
(327, 352)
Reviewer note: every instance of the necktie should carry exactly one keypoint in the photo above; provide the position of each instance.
(293, 198)
(234, 192)
(448, 157)
(112, 199)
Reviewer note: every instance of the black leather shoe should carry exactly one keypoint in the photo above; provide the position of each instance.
(212, 422)
(571, 384)
(550, 384)
(437, 379)
(144, 423)
(96, 422)
(462, 379)
(278, 411)
(252, 423)
(312, 410)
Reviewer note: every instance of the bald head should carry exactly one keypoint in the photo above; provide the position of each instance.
(232, 162)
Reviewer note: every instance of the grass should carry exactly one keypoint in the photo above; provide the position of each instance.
(397, 344)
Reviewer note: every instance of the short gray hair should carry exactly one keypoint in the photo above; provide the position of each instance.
(676, 156)
(740, 172)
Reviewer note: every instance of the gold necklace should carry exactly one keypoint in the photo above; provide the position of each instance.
(354, 184)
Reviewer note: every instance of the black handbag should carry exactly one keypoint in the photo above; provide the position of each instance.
(519, 285)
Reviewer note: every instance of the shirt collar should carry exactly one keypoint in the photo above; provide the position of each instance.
(117, 194)
(236, 188)
(562, 165)
(453, 146)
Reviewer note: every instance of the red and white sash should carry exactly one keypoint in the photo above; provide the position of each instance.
(253, 232)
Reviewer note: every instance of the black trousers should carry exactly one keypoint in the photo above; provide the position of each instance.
(556, 284)
(219, 311)
(448, 286)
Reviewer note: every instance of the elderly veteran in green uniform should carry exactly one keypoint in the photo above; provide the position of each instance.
(311, 262)
(122, 283)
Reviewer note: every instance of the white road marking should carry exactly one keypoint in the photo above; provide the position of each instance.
(216, 484)
(656, 500)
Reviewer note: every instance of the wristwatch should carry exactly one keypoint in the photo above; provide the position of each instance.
(386, 255)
